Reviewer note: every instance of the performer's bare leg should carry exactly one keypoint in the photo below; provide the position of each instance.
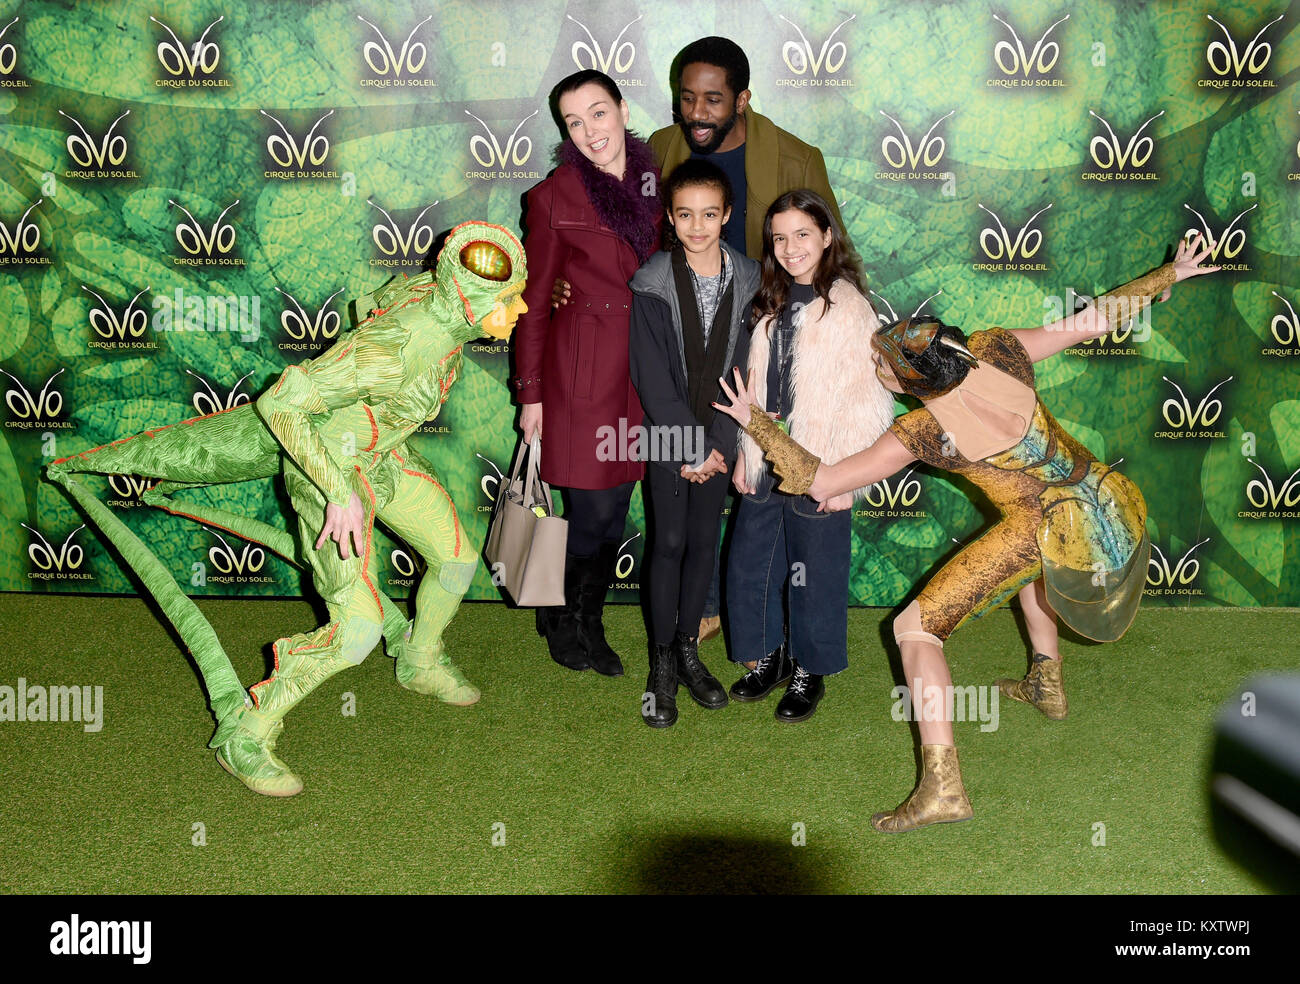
(1042, 685)
(925, 667)
(1040, 620)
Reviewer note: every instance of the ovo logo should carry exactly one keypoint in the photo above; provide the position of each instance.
(883, 495)
(489, 152)
(1014, 60)
(1285, 327)
(997, 244)
(46, 406)
(284, 150)
(799, 58)
(24, 237)
(68, 557)
(383, 60)
(899, 153)
(1224, 59)
(199, 58)
(106, 323)
(249, 560)
(403, 563)
(620, 53)
(1110, 153)
(210, 403)
(623, 566)
(1230, 244)
(83, 149)
(1120, 334)
(8, 53)
(1179, 413)
(490, 484)
(1263, 495)
(194, 239)
(298, 326)
(1161, 575)
(392, 240)
(130, 486)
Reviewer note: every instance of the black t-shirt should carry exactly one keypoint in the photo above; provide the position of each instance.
(781, 355)
(732, 163)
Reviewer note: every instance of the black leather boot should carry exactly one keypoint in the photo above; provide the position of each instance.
(702, 684)
(595, 576)
(559, 624)
(772, 671)
(801, 697)
(659, 702)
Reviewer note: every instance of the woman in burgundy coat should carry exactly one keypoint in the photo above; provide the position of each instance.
(593, 222)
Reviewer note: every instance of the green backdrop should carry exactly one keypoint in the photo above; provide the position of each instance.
(191, 192)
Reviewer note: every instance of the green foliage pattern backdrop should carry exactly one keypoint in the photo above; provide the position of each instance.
(192, 192)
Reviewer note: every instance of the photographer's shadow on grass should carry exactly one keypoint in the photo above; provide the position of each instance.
(710, 864)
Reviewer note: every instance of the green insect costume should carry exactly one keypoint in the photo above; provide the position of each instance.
(336, 428)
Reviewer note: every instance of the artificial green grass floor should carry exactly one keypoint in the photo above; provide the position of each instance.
(409, 795)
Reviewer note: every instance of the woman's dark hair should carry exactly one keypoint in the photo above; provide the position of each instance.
(577, 80)
(721, 53)
(942, 367)
(839, 261)
(691, 173)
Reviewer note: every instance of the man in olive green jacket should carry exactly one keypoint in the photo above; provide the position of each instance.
(715, 121)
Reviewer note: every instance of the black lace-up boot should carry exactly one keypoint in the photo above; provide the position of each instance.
(801, 696)
(702, 684)
(659, 702)
(772, 671)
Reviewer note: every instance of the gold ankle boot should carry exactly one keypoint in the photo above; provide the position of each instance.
(939, 797)
(1042, 687)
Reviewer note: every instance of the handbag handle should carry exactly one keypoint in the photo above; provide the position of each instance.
(534, 474)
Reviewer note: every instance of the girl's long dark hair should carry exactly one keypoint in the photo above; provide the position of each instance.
(838, 261)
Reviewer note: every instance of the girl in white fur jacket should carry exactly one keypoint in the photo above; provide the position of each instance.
(810, 357)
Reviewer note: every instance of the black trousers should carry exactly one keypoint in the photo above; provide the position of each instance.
(596, 516)
(683, 547)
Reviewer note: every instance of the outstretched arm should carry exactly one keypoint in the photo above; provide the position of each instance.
(884, 458)
(1117, 306)
(799, 470)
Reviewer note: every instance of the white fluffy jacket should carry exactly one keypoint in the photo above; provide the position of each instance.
(840, 407)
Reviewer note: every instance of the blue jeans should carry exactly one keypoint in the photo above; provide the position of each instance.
(782, 539)
(713, 601)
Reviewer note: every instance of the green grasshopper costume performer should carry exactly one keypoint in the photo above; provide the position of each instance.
(336, 428)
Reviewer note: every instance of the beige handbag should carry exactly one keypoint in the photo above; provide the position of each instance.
(526, 541)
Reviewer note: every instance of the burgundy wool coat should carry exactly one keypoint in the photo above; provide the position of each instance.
(574, 360)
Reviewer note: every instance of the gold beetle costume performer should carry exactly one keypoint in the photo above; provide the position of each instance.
(1072, 537)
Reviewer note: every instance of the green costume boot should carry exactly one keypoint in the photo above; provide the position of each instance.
(249, 756)
(302, 663)
(431, 671)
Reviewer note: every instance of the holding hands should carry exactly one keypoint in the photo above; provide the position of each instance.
(711, 465)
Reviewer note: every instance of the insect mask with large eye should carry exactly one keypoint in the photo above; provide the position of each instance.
(928, 358)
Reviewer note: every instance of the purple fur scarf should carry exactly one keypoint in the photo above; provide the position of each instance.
(620, 205)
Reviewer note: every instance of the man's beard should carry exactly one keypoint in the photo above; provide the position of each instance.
(714, 141)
